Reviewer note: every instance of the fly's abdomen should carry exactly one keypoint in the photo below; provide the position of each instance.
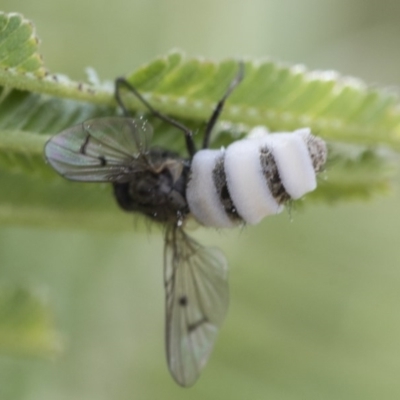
(254, 177)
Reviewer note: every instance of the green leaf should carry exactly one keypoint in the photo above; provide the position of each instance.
(26, 326)
(354, 173)
(35, 104)
(271, 94)
(18, 46)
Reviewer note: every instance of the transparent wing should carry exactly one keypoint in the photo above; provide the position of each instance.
(100, 150)
(197, 297)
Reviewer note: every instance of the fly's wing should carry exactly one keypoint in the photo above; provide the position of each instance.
(197, 297)
(100, 150)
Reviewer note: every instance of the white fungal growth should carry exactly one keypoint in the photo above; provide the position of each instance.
(294, 163)
(258, 132)
(246, 182)
(201, 192)
(253, 177)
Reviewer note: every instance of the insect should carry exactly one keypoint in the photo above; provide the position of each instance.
(249, 180)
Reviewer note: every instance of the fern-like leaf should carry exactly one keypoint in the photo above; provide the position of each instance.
(35, 104)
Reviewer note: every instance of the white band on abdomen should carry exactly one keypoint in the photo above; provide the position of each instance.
(247, 184)
(293, 161)
(201, 193)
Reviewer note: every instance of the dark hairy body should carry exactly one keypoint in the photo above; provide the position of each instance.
(159, 192)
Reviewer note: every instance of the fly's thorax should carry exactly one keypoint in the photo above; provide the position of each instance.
(159, 191)
(253, 178)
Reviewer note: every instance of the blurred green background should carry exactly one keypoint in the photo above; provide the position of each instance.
(314, 298)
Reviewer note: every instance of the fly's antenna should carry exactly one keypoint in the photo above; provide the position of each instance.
(122, 82)
(218, 108)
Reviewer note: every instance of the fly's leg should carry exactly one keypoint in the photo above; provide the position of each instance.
(122, 82)
(190, 145)
(218, 109)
